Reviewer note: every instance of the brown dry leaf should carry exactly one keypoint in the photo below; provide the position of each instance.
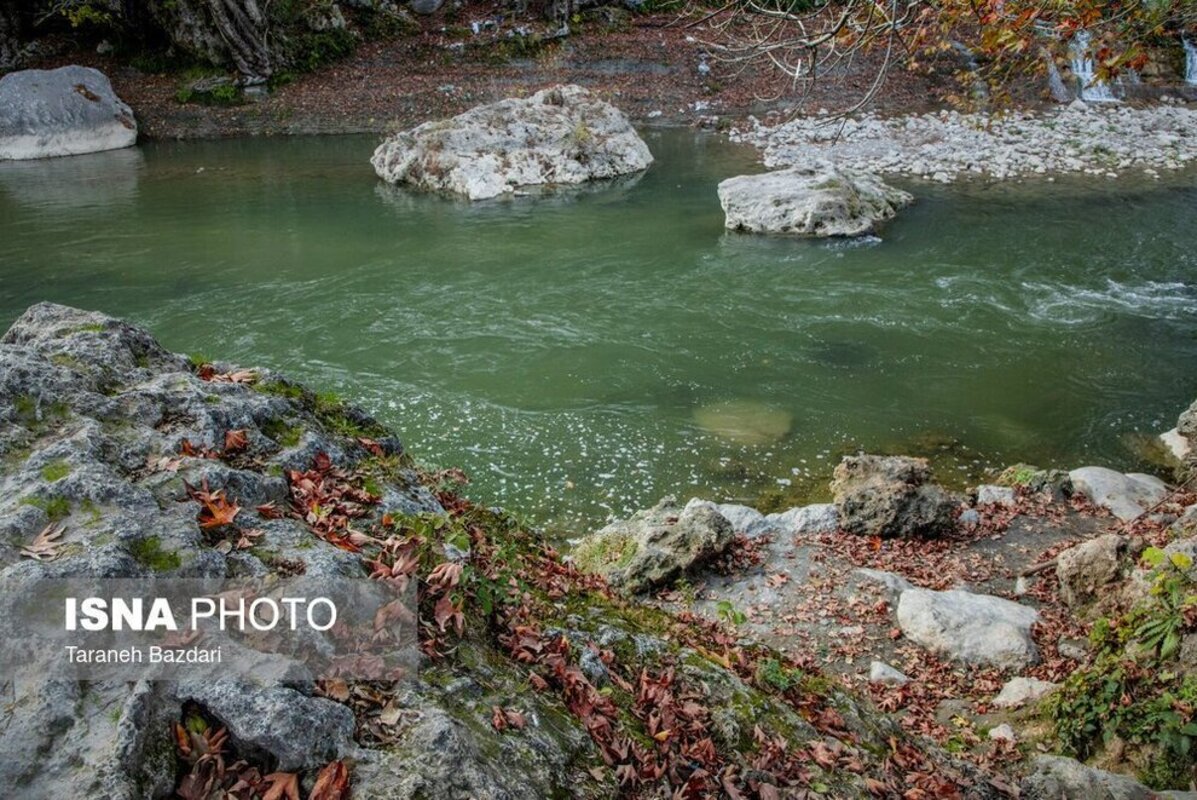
(332, 783)
(390, 715)
(283, 786)
(44, 546)
(235, 441)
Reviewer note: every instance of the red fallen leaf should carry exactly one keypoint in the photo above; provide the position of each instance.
(332, 783)
(498, 719)
(445, 575)
(515, 719)
(447, 611)
(269, 511)
(235, 441)
(282, 785)
(322, 462)
(372, 446)
(538, 683)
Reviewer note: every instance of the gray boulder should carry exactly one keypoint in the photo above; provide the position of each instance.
(882, 673)
(1060, 778)
(61, 112)
(1087, 569)
(973, 628)
(562, 135)
(813, 199)
(891, 496)
(655, 547)
(815, 518)
(1125, 496)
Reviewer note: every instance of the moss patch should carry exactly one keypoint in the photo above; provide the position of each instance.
(56, 508)
(601, 553)
(149, 553)
(56, 471)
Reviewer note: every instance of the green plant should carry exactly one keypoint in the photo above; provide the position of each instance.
(56, 508)
(729, 613)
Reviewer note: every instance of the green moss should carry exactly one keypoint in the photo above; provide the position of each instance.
(56, 508)
(1018, 475)
(282, 433)
(95, 327)
(55, 471)
(279, 389)
(149, 553)
(601, 553)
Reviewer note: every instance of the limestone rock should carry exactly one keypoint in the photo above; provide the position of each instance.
(880, 672)
(814, 199)
(1020, 691)
(891, 496)
(1060, 778)
(991, 495)
(816, 518)
(562, 135)
(1084, 570)
(973, 628)
(1126, 496)
(655, 547)
(61, 112)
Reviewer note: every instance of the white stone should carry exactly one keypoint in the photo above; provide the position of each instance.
(814, 199)
(1003, 731)
(880, 672)
(973, 628)
(989, 494)
(562, 135)
(1177, 444)
(1020, 691)
(1126, 496)
(61, 112)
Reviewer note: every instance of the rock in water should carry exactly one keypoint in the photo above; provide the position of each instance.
(655, 547)
(812, 199)
(744, 421)
(562, 135)
(891, 496)
(973, 628)
(61, 112)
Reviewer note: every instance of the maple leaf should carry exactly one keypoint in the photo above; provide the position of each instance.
(445, 575)
(446, 610)
(269, 511)
(283, 786)
(332, 783)
(247, 537)
(44, 546)
(235, 441)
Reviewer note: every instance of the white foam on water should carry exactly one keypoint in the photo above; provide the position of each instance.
(1071, 305)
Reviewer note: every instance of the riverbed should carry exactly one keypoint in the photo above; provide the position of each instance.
(582, 353)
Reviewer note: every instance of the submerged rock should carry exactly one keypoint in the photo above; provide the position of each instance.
(1125, 496)
(973, 628)
(61, 112)
(812, 199)
(744, 421)
(655, 547)
(891, 496)
(562, 135)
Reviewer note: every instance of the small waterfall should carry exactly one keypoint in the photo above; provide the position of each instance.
(1084, 67)
(1190, 62)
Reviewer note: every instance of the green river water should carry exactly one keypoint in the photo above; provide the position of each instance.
(584, 353)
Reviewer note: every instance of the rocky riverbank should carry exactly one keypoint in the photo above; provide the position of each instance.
(945, 146)
(120, 459)
(724, 651)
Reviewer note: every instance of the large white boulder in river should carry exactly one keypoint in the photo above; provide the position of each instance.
(816, 198)
(61, 112)
(562, 135)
